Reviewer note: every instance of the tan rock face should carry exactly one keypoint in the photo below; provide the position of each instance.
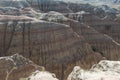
(101, 34)
(101, 43)
(16, 67)
(105, 25)
(55, 46)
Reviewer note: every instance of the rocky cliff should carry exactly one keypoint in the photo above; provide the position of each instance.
(53, 45)
(58, 43)
(105, 25)
(103, 44)
(54, 41)
(102, 40)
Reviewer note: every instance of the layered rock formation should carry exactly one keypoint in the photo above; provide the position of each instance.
(16, 67)
(55, 46)
(101, 43)
(107, 25)
(104, 70)
(104, 42)
(110, 28)
(60, 43)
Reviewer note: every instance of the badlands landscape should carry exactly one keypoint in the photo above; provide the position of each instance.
(59, 40)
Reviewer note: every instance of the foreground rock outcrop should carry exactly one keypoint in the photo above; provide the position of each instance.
(104, 70)
(42, 75)
(16, 67)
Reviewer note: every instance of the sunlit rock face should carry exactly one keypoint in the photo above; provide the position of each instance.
(16, 67)
(42, 75)
(104, 70)
(106, 65)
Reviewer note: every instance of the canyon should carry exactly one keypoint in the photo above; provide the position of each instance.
(56, 36)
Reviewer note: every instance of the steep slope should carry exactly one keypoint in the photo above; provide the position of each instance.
(99, 42)
(107, 28)
(102, 43)
(106, 25)
(55, 46)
